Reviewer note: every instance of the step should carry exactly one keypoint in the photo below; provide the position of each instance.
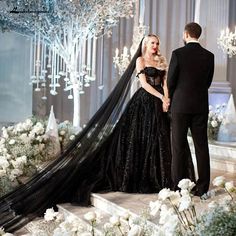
(222, 158)
(68, 209)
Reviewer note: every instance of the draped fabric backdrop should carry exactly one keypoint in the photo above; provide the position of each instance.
(15, 91)
(165, 18)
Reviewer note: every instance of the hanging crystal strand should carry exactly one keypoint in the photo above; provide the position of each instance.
(31, 60)
(101, 86)
(38, 63)
(93, 69)
(89, 47)
(34, 47)
(81, 67)
(57, 75)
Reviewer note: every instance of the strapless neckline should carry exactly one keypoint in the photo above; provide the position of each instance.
(146, 67)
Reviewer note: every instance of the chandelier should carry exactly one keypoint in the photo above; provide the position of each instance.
(122, 61)
(63, 39)
(227, 42)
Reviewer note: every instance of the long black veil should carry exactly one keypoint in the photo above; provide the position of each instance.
(62, 179)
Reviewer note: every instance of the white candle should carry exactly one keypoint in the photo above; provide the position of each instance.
(125, 51)
(117, 52)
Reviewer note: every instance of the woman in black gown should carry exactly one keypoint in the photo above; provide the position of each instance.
(124, 147)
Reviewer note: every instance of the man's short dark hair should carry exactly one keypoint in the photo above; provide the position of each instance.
(193, 29)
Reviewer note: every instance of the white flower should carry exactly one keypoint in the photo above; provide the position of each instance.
(85, 234)
(214, 123)
(219, 181)
(169, 227)
(72, 137)
(164, 194)
(3, 173)
(165, 214)
(4, 163)
(62, 132)
(175, 197)
(67, 122)
(2, 141)
(125, 215)
(136, 230)
(5, 133)
(185, 203)
(155, 207)
(229, 186)
(115, 220)
(107, 226)
(12, 141)
(210, 107)
(50, 214)
(15, 173)
(186, 184)
(90, 216)
(184, 192)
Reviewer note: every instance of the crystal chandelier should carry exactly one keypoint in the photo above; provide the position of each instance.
(227, 42)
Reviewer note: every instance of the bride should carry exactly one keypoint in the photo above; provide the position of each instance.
(124, 147)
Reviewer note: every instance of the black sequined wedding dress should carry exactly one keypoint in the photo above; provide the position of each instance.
(124, 147)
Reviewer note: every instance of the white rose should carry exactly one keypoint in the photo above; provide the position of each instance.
(115, 220)
(12, 141)
(155, 207)
(50, 214)
(219, 181)
(185, 203)
(90, 216)
(186, 184)
(136, 230)
(214, 123)
(230, 187)
(164, 194)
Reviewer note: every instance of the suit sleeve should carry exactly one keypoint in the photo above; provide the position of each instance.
(172, 74)
(211, 71)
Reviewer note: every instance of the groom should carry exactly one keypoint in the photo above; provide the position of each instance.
(189, 77)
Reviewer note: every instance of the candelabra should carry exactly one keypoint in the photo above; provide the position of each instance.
(121, 62)
(227, 42)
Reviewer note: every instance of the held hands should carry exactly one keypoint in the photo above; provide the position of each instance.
(165, 103)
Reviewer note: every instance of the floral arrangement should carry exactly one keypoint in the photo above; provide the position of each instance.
(173, 214)
(215, 119)
(24, 148)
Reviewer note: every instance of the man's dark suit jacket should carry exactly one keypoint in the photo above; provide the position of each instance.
(189, 77)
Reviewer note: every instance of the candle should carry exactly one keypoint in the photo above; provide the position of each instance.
(125, 51)
(117, 52)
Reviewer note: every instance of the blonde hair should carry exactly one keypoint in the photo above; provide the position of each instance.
(159, 58)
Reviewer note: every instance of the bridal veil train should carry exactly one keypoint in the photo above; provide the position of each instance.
(124, 147)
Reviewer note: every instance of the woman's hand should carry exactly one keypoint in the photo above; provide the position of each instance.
(165, 101)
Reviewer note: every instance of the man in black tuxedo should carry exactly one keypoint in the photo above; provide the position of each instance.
(189, 77)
